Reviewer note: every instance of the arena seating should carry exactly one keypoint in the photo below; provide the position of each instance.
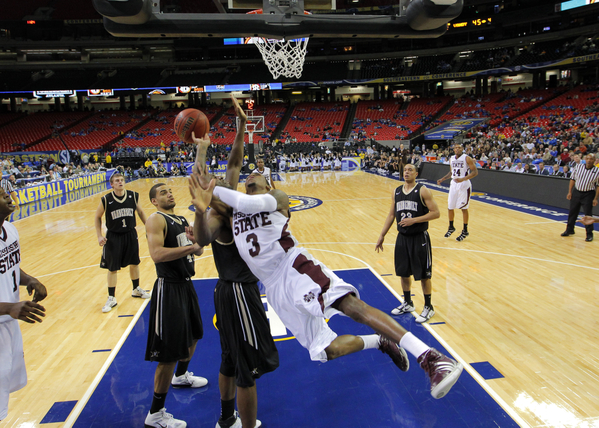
(384, 120)
(32, 127)
(312, 122)
(102, 127)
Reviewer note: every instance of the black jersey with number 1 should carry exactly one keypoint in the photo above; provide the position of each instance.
(120, 211)
(410, 205)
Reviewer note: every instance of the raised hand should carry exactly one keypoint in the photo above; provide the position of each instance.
(238, 110)
(200, 196)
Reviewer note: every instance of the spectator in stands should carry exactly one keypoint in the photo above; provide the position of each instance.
(556, 171)
(541, 169)
(567, 172)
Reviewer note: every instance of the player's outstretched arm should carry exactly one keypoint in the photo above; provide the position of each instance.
(235, 160)
(202, 144)
(33, 285)
(386, 226)
(250, 204)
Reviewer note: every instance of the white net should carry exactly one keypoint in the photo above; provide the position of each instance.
(283, 57)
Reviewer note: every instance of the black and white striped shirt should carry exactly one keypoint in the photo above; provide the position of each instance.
(587, 179)
(7, 185)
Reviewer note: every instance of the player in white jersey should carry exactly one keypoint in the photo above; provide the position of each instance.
(265, 171)
(13, 375)
(463, 168)
(303, 292)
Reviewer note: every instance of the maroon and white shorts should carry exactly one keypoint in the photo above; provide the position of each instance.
(302, 293)
(13, 375)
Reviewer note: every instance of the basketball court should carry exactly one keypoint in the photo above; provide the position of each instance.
(508, 304)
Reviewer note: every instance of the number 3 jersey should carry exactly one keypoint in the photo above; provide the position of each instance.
(264, 242)
(10, 271)
(410, 205)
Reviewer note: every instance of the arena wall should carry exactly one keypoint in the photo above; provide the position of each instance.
(544, 190)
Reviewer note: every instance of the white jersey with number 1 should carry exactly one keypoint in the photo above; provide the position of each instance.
(13, 375)
(10, 272)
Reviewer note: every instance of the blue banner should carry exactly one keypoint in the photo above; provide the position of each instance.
(61, 187)
(450, 129)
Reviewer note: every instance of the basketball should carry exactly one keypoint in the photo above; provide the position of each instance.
(191, 120)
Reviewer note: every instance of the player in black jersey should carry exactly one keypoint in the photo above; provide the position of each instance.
(248, 349)
(176, 324)
(412, 206)
(120, 246)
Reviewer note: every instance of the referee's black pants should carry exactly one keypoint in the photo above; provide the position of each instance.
(584, 200)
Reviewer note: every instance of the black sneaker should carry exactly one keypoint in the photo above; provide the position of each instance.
(462, 236)
(449, 232)
(397, 353)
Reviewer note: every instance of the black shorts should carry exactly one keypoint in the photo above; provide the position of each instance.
(120, 250)
(175, 321)
(414, 256)
(248, 350)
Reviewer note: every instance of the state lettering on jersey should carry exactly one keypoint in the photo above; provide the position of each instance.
(243, 222)
(122, 212)
(10, 260)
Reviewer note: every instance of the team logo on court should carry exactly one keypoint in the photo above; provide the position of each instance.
(296, 203)
(299, 203)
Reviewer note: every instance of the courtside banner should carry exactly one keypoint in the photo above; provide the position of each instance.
(450, 129)
(61, 187)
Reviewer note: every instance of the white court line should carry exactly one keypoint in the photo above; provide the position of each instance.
(355, 199)
(475, 375)
(83, 401)
(548, 222)
(463, 249)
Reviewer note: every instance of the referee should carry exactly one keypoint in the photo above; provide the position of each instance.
(9, 187)
(583, 192)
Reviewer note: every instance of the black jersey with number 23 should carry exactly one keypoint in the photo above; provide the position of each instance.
(410, 205)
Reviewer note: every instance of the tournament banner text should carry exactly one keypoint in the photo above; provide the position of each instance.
(56, 188)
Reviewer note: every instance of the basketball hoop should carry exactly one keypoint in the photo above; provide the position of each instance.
(282, 57)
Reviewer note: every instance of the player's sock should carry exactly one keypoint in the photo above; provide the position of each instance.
(407, 296)
(371, 341)
(111, 293)
(157, 402)
(135, 283)
(427, 300)
(465, 227)
(181, 368)
(227, 408)
(413, 345)
(451, 225)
